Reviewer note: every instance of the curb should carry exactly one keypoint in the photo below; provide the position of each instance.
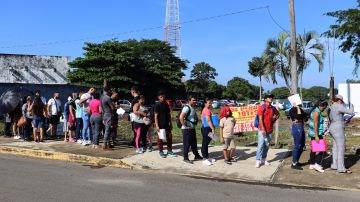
(116, 163)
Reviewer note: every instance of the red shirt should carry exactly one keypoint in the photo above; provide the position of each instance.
(268, 117)
(95, 106)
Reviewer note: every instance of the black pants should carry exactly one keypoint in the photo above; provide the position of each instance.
(189, 140)
(7, 130)
(316, 157)
(205, 142)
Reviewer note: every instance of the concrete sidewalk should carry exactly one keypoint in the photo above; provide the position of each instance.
(125, 157)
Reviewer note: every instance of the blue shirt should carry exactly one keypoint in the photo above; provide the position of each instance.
(191, 118)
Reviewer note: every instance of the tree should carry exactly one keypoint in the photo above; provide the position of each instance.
(202, 75)
(347, 29)
(309, 47)
(280, 93)
(256, 69)
(239, 88)
(150, 64)
(352, 81)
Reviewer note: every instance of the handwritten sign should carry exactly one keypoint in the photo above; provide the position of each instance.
(244, 117)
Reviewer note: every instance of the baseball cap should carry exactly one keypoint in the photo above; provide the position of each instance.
(339, 97)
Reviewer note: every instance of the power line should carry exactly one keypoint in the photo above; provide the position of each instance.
(272, 18)
(143, 29)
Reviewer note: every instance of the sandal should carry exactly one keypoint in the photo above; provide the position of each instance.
(348, 171)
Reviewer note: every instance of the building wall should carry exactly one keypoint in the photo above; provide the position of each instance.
(351, 92)
(33, 69)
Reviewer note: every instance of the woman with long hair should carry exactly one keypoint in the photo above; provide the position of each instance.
(207, 127)
(38, 109)
(140, 112)
(337, 111)
(316, 132)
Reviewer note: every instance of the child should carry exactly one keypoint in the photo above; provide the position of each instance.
(8, 121)
(227, 124)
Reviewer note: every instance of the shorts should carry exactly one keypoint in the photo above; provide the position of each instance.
(229, 142)
(54, 119)
(38, 121)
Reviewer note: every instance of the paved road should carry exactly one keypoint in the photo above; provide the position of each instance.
(23, 179)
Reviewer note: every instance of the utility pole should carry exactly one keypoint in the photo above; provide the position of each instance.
(294, 75)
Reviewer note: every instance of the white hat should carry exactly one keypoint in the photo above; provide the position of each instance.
(339, 97)
(69, 98)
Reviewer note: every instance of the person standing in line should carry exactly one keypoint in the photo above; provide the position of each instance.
(28, 117)
(207, 128)
(227, 124)
(135, 94)
(38, 109)
(72, 118)
(114, 119)
(7, 128)
(96, 118)
(66, 119)
(189, 120)
(140, 112)
(15, 117)
(107, 108)
(79, 121)
(337, 111)
(267, 117)
(84, 102)
(316, 132)
(298, 118)
(55, 112)
(162, 119)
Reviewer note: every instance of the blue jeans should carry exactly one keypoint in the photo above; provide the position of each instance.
(263, 145)
(86, 127)
(298, 134)
(79, 126)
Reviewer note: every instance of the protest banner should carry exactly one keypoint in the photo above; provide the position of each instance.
(244, 117)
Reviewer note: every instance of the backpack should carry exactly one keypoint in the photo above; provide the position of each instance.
(178, 123)
(256, 121)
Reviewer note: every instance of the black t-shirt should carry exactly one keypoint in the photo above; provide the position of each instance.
(294, 115)
(163, 111)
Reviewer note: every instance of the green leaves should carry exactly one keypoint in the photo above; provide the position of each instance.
(150, 64)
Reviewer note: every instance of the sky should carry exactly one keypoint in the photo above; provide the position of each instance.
(45, 27)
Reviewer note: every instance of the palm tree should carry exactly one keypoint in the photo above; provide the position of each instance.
(308, 47)
(277, 59)
(256, 69)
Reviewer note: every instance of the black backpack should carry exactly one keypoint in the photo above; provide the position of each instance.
(178, 123)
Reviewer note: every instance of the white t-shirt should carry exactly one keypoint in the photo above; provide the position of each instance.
(55, 106)
(86, 109)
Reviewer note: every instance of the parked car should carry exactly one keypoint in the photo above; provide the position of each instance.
(179, 104)
(215, 104)
(307, 107)
(125, 104)
(253, 102)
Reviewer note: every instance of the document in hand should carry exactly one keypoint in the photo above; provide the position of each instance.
(120, 111)
(162, 134)
(213, 136)
(295, 99)
(348, 117)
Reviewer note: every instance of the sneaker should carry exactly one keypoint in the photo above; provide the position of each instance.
(212, 160)
(84, 143)
(88, 142)
(72, 140)
(16, 137)
(162, 154)
(79, 141)
(296, 166)
(187, 161)
(171, 153)
(207, 162)
(198, 157)
(228, 162)
(312, 167)
(319, 168)
(257, 164)
(265, 162)
(149, 149)
(137, 151)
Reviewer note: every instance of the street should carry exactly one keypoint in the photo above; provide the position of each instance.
(25, 179)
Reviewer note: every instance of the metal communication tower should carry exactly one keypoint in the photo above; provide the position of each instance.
(172, 25)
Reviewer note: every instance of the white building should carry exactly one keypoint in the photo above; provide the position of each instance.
(33, 69)
(351, 92)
